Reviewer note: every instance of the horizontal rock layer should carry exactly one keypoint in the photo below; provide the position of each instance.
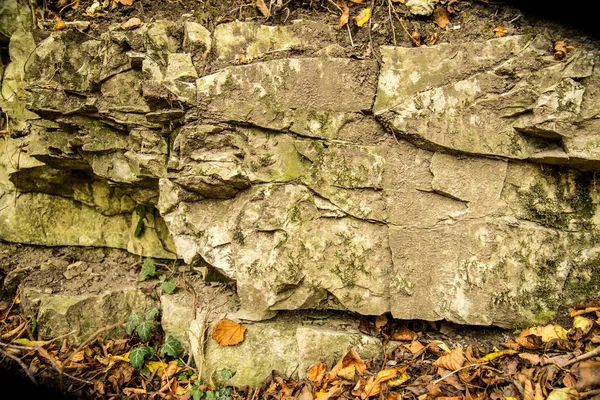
(450, 182)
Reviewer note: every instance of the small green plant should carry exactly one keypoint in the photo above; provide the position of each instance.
(172, 347)
(142, 325)
(140, 209)
(149, 270)
(139, 354)
(198, 393)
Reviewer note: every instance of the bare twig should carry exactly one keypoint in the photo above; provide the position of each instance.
(405, 30)
(18, 361)
(589, 354)
(392, 21)
(589, 393)
(455, 371)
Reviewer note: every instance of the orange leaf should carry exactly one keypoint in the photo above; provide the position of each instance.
(403, 334)
(317, 372)
(373, 388)
(415, 347)
(131, 23)
(228, 333)
(345, 13)
(451, 361)
(441, 16)
(59, 26)
(560, 49)
(125, 2)
(351, 358)
(262, 7)
(433, 39)
(500, 31)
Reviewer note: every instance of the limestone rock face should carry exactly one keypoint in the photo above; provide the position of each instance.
(450, 182)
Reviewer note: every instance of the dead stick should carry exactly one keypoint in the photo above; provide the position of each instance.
(23, 366)
(455, 371)
(392, 21)
(589, 354)
(589, 393)
(406, 30)
(93, 336)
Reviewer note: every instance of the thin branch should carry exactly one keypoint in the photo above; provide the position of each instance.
(392, 21)
(589, 354)
(406, 30)
(23, 366)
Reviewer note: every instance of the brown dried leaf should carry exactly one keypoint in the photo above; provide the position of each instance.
(528, 392)
(534, 359)
(441, 16)
(451, 361)
(403, 334)
(546, 332)
(560, 49)
(262, 7)
(228, 333)
(433, 39)
(381, 321)
(59, 26)
(317, 372)
(125, 2)
(415, 347)
(345, 13)
(588, 375)
(500, 31)
(347, 373)
(530, 342)
(305, 394)
(416, 37)
(131, 23)
(351, 358)
(569, 380)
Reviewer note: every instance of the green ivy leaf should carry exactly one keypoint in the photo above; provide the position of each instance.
(148, 269)
(139, 354)
(210, 395)
(172, 347)
(130, 326)
(227, 374)
(151, 314)
(169, 286)
(144, 330)
(197, 394)
(162, 278)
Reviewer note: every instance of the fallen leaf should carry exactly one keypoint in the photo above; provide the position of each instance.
(587, 374)
(241, 59)
(534, 359)
(394, 396)
(305, 394)
(131, 23)
(403, 334)
(135, 390)
(373, 388)
(528, 392)
(332, 393)
(158, 366)
(529, 342)
(399, 380)
(416, 37)
(563, 394)
(262, 7)
(569, 380)
(500, 31)
(317, 372)
(560, 49)
(351, 358)
(59, 26)
(347, 373)
(583, 323)
(80, 355)
(433, 39)
(381, 321)
(586, 310)
(228, 333)
(171, 369)
(358, 1)
(496, 354)
(345, 13)
(363, 17)
(451, 361)
(441, 16)
(546, 332)
(125, 2)
(415, 347)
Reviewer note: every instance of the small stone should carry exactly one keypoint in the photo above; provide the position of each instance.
(48, 290)
(420, 7)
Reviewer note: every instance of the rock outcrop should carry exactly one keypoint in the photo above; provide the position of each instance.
(450, 182)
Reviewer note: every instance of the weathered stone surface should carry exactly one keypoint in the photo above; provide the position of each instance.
(507, 97)
(289, 347)
(313, 181)
(15, 15)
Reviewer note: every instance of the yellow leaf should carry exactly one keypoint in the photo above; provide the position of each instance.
(157, 366)
(60, 25)
(546, 332)
(399, 381)
(228, 333)
(351, 358)
(583, 323)
(373, 388)
(29, 343)
(347, 373)
(500, 31)
(496, 354)
(363, 17)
